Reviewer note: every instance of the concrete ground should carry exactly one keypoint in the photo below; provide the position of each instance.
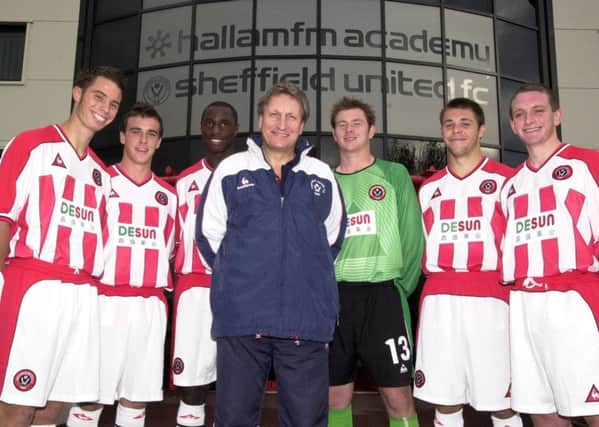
(367, 408)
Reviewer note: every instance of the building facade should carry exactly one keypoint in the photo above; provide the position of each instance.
(404, 57)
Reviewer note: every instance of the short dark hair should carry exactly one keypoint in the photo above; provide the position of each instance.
(87, 77)
(222, 104)
(347, 103)
(536, 87)
(286, 88)
(141, 109)
(464, 104)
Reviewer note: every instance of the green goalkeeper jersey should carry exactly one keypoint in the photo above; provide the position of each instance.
(384, 238)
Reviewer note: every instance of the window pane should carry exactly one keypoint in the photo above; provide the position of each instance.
(197, 149)
(173, 154)
(470, 41)
(416, 156)
(300, 72)
(165, 37)
(223, 81)
(166, 89)
(491, 153)
(413, 32)
(414, 99)
(474, 5)
(509, 140)
(154, 3)
(122, 33)
(224, 29)
(482, 89)
(513, 158)
(351, 33)
(286, 27)
(109, 136)
(356, 79)
(110, 9)
(12, 50)
(518, 52)
(522, 12)
(329, 150)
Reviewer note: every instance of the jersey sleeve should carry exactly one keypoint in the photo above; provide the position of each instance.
(15, 179)
(336, 220)
(211, 221)
(411, 232)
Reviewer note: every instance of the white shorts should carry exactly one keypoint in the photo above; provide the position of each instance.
(132, 334)
(194, 349)
(462, 352)
(49, 339)
(555, 351)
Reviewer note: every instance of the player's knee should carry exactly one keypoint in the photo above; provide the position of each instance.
(16, 415)
(196, 395)
(504, 414)
(398, 401)
(50, 414)
(340, 397)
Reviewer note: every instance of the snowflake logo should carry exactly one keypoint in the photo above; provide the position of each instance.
(158, 43)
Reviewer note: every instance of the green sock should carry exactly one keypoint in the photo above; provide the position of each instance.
(403, 422)
(340, 417)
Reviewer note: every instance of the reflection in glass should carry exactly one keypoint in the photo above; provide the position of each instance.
(111, 9)
(222, 81)
(520, 11)
(356, 79)
(165, 37)
(491, 153)
(413, 32)
(154, 3)
(167, 90)
(223, 30)
(296, 71)
(329, 151)
(513, 158)
(482, 89)
(417, 156)
(470, 41)
(508, 139)
(518, 52)
(286, 27)
(354, 32)
(414, 99)
(122, 33)
(474, 5)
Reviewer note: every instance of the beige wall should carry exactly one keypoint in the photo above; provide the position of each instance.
(44, 95)
(577, 48)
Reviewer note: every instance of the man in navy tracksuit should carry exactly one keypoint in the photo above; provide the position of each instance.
(270, 223)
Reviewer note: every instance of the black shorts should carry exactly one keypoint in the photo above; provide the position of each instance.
(372, 329)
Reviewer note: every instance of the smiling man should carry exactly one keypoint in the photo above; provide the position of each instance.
(193, 365)
(52, 212)
(270, 224)
(140, 233)
(464, 310)
(551, 257)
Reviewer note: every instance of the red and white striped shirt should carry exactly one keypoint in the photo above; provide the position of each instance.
(190, 186)
(140, 232)
(54, 200)
(462, 219)
(552, 216)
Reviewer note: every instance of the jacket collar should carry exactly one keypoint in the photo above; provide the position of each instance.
(302, 146)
